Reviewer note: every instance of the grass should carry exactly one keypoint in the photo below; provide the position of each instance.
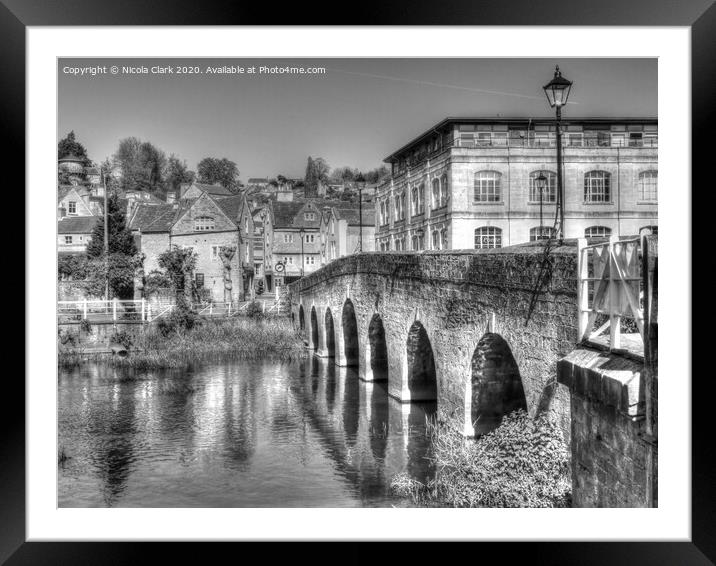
(522, 463)
(229, 338)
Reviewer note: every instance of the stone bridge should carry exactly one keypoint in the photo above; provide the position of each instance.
(474, 330)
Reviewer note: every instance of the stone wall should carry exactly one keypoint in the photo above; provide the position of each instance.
(609, 448)
(457, 297)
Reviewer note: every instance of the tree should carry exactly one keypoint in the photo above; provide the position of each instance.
(222, 172)
(70, 146)
(142, 165)
(226, 254)
(316, 172)
(179, 264)
(177, 173)
(119, 237)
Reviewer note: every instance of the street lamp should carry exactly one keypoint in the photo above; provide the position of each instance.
(557, 92)
(360, 183)
(540, 182)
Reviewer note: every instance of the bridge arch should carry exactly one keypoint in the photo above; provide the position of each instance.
(419, 379)
(496, 385)
(376, 351)
(301, 318)
(330, 334)
(348, 350)
(314, 329)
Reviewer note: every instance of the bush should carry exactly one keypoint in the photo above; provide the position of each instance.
(66, 337)
(522, 463)
(122, 337)
(180, 319)
(85, 326)
(255, 310)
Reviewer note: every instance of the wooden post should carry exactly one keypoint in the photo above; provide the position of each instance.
(144, 308)
(114, 309)
(149, 312)
(614, 317)
(229, 309)
(84, 309)
(263, 303)
(211, 308)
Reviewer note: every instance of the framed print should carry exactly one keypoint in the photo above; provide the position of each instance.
(388, 281)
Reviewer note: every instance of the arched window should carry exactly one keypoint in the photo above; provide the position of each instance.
(415, 242)
(488, 237)
(648, 181)
(597, 232)
(549, 193)
(421, 199)
(487, 186)
(597, 187)
(436, 240)
(443, 190)
(402, 205)
(444, 238)
(397, 207)
(542, 233)
(654, 230)
(435, 202)
(414, 201)
(203, 223)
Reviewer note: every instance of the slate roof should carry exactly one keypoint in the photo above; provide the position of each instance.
(352, 214)
(257, 181)
(76, 224)
(155, 218)
(231, 206)
(213, 189)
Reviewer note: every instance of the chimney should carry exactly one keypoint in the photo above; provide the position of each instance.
(284, 196)
(63, 212)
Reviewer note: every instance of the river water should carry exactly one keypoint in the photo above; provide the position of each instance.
(235, 434)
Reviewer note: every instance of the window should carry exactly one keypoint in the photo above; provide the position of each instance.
(402, 205)
(541, 233)
(648, 181)
(488, 237)
(68, 239)
(654, 230)
(204, 223)
(415, 243)
(487, 186)
(199, 280)
(309, 215)
(436, 240)
(309, 238)
(575, 139)
(549, 193)
(597, 232)
(310, 260)
(287, 260)
(435, 202)
(443, 190)
(72, 207)
(636, 139)
(287, 238)
(597, 187)
(214, 253)
(444, 238)
(416, 200)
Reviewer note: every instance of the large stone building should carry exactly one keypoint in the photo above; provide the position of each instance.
(204, 224)
(470, 182)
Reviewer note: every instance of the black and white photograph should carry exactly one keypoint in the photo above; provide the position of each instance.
(388, 282)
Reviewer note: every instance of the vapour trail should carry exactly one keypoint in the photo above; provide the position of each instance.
(443, 85)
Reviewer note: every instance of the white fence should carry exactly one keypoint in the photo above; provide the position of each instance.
(145, 311)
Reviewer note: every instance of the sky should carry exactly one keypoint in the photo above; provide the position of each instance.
(356, 113)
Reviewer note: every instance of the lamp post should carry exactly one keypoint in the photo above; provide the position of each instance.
(360, 183)
(557, 92)
(541, 181)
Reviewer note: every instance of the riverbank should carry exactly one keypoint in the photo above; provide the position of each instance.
(522, 463)
(243, 338)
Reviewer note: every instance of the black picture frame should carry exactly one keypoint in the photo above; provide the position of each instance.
(700, 15)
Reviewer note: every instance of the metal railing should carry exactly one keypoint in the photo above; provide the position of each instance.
(114, 310)
(610, 285)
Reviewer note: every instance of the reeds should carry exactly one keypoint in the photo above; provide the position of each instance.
(228, 338)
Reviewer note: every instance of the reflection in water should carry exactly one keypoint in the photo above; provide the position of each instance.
(241, 434)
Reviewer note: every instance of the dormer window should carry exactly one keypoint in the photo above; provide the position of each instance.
(72, 207)
(204, 224)
(309, 215)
